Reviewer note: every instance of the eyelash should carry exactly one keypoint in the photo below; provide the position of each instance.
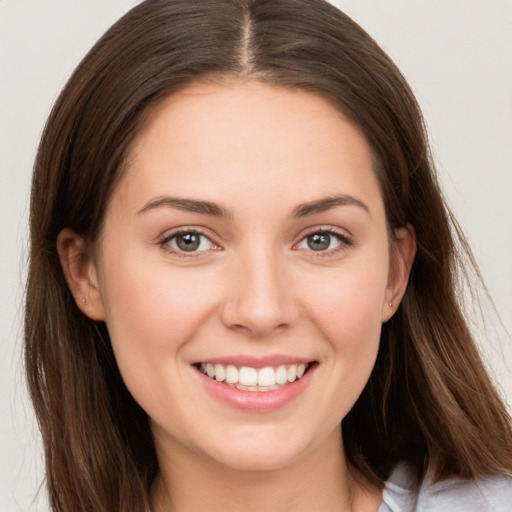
(344, 241)
(164, 242)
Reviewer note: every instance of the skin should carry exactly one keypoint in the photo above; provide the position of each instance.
(254, 288)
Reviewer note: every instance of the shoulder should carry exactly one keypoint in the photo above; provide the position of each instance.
(400, 494)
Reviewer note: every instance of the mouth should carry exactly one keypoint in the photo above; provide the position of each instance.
(247, 378)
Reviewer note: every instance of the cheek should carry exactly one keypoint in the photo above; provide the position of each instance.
(348, 311)
(152, 312)
(152, 309)
(151, 297)
(348, 304)
(354, 334)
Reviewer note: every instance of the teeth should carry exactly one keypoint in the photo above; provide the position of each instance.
(220, 372)
(256, 388)
(281, 375)
(291, 372)
(252, 379)
(231, 374)
(266, 377)
(248, 376)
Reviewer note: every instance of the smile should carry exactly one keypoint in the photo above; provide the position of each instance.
(256, 385)
(247, 378)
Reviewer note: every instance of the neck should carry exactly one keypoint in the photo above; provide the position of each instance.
(320, 480)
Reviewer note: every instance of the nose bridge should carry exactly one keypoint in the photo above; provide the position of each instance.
(260, 298)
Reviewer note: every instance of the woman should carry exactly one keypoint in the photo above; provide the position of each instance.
(238, 244)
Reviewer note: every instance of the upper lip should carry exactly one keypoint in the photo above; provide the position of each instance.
(256, 362)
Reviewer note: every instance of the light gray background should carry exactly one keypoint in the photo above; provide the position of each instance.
(457, 55)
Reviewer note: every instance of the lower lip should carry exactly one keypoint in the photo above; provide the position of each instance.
(258, 401)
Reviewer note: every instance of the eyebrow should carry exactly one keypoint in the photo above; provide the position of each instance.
(327, 203)
(215, 210)
(188, 205)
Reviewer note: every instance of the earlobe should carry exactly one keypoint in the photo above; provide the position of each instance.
(80, 273)
(404, 251)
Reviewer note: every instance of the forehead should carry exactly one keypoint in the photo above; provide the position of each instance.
(254, 137)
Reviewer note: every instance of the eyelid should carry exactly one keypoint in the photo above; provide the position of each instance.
(343, 235)
(164, 239)
(326, 228)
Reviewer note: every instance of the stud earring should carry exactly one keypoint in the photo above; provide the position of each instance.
(390, 304)
(84, 301)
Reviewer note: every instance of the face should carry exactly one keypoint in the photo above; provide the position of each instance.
(244, 273)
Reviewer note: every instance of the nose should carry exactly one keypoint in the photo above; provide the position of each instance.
(260, 297)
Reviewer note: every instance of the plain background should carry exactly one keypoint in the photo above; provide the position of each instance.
(456, 54)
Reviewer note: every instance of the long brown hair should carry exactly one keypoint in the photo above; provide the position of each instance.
(429, 400)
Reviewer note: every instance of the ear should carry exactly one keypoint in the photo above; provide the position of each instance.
(402, 257)
(81, 274)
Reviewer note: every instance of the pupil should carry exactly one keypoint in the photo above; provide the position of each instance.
(188, 242)
(319, 241)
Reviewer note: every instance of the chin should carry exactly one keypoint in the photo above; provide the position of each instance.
(255, 451)
(257, 460)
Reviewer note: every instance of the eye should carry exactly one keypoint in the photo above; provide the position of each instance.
(323, 241)
(188, 241)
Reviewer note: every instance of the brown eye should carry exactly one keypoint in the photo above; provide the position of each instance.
(323, 241)
(190, 241)
(319, 241)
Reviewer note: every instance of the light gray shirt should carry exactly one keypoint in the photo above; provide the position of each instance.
(401, 494)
